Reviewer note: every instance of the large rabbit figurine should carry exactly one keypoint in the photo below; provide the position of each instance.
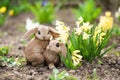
(51, 54)
(35, 48)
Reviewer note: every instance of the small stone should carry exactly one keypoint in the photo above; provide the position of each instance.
(118, 62)
(113, 69)
(113, 62)
(77, 70)
(99, 66)
(118, 48)
(72, 71)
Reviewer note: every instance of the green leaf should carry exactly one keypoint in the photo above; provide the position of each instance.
(4, 50)
(109, 48)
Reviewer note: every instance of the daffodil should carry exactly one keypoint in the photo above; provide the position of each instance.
(63, 37)
(106, 21)
(87, 26)
(3, 9)
(11, 12)
(60, 26)
(76, 57)
(85, 36)
(63, 30)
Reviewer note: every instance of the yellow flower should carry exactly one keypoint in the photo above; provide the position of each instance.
(60, 26)
(63, 30)
(3, 9)
(106, 21)
(11, 12)
(85, 36)
(76, 57)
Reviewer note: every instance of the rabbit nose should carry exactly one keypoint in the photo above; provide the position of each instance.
(43, 37)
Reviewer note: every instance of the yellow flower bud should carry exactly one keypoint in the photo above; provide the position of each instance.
(11, 12)
(3, 9)
(108, 13)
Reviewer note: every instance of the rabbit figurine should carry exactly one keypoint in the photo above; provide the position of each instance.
(51, 54)
(35, 48)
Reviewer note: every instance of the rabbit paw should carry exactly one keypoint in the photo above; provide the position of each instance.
(51, 66)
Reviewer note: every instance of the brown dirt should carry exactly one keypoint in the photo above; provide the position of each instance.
(11, 34)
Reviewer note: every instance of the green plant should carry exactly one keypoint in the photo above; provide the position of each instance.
(3, 50)
(61, 76)
(43, 14)
(91, 40)
(3, 14)
(87, 10)
(9, 61)
(86, 41)
(19, 6)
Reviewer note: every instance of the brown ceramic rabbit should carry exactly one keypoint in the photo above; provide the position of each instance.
(51, 54)
(35, 48)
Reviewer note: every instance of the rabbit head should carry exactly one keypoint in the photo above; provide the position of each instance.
(42, 33)
(57, 47)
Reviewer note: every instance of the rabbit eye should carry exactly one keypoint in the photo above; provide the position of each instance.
(57, 45)
(48, 32)
(39, 32)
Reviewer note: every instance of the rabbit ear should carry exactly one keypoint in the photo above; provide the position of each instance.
(63, 49)
(29, 33)
(54, 32)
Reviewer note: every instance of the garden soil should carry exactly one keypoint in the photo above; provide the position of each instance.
(108, 68)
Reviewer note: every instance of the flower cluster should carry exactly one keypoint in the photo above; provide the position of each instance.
(83, 29)
(63, 30)
(105, 24)
(86, 41)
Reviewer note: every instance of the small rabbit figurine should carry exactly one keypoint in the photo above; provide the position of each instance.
(35, 48)
(51, 54)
